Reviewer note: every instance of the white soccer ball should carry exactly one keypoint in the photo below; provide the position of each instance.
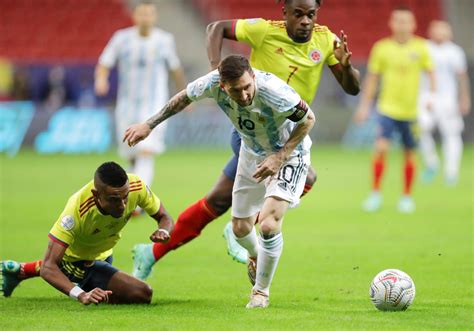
(392, 290)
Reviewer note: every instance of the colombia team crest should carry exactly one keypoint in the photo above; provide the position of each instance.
(315, 55)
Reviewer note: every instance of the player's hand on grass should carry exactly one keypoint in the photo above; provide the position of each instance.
(160, 236)
(268, 167)
(95, 296)
(136, 133)
(341, 50)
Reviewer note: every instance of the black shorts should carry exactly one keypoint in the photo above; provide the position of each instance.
(89, 274)
(388, 125)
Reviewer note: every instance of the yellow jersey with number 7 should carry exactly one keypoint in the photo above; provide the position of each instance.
(300, 65)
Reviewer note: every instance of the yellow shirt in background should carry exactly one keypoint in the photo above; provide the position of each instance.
(400, 68)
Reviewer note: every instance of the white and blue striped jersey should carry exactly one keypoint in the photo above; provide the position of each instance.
(265, 125)
(143, 65)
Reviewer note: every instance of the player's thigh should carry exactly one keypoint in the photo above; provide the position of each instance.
(247, 194)
(406, 130)
(128, 289)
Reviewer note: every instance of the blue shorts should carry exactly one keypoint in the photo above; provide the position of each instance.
(89, 274)
(231, 167)
(387, 126)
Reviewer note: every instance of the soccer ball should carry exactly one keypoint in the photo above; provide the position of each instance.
(392, 290)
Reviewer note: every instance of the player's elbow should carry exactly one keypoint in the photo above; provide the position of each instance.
(212, 28)
(353, 90)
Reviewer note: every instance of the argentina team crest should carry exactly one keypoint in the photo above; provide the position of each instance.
(315, 55)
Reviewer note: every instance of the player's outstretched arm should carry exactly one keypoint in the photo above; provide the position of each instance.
(272, 164)
(216, 32)
(51, 273)
(165, 224)
(346, 75)
(137, 132)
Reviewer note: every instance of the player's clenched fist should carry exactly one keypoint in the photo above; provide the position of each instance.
(160, 236)
(96, 296)
(136, 133)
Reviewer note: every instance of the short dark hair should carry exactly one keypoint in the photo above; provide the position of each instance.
(288, 2)
(111, 174)
(403, 8)
(233, 67)
(143, 2)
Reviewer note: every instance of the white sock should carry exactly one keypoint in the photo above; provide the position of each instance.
(249, 242)
(428, 150)
(452, 150)
(268, 255)
(145, 168)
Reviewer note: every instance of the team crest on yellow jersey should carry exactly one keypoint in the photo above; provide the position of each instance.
(315, 55)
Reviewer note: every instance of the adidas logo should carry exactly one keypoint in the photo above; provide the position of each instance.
(283, 185)
(279, 50)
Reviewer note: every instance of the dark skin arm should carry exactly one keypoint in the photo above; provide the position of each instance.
(165, 222)
(216, 32)
(51, 273)
(347, 76)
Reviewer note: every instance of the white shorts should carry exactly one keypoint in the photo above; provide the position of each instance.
(154, 143)
(444, 115)
(248, 195)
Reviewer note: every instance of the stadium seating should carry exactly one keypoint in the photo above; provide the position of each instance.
(50, 30)
(365, 21)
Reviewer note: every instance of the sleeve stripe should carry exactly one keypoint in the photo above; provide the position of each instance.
(56, 240)
(234, 29)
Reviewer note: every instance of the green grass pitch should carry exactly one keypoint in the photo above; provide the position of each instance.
(332, 250)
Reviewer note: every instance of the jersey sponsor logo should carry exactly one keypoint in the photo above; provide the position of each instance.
(67, 222)
(315, 55)
(279, 51)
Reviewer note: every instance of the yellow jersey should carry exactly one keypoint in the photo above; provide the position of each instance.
(300, 65)
(400, 67)
(90, 235)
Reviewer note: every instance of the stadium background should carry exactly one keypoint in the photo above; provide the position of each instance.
(332, 249)
(48, 49)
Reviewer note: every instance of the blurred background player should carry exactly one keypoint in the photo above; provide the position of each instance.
(295, 50)
(274, 123)
(398, 63)
(82, 239)
(452, 101)
(144, 55)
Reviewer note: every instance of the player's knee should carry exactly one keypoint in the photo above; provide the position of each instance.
(241, 228)
(219, 201)
(143, 294)
(268, 227)
(311, 177)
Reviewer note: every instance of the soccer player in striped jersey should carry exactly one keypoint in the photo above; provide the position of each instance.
(296, 50)
(145, 56)
(78, 261)
(398, 62)
(453, 101)
(273, 122)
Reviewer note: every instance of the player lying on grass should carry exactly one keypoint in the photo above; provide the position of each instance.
(296, 50)
(273, 122)
(78, 261)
